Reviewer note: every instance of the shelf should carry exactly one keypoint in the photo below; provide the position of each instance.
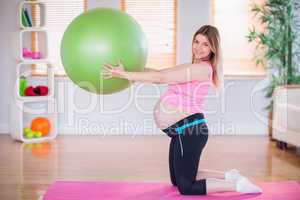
(23, 109)
(25, 69)
(36, 61)
(34, 98)
(26, 42)
(28, 5)
(25, 112)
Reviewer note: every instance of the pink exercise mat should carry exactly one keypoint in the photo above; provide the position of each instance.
(77, 190)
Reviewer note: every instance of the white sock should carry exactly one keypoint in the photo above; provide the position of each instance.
(243, 185)
(233, 175)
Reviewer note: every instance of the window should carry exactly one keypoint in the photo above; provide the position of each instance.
(59, 14)
(158, 20)
(233, 19)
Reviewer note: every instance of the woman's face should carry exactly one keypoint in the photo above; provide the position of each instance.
(201, 48)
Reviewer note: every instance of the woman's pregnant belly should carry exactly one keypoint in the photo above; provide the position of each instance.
(166, 114)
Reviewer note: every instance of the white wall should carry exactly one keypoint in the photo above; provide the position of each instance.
(192, 14)
(8, 22)
(130, 111)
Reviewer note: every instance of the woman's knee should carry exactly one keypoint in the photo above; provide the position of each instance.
(185, 187)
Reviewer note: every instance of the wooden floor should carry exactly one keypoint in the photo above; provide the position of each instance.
(26, 171)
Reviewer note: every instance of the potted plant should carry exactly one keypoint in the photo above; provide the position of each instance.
(277, 44)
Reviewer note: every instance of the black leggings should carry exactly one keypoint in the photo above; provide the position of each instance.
(188, 138)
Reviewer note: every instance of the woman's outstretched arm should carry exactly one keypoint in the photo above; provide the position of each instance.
(151, 70)
(176, 74)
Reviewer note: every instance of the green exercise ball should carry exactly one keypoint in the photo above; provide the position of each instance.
(98, 36)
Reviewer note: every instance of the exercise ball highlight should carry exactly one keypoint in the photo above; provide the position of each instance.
(102, 35)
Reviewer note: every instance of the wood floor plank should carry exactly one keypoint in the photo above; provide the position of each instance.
(27, 171)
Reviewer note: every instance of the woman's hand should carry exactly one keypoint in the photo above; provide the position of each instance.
(110, 71)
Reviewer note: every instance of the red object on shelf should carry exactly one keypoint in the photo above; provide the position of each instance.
(29, 91)
(36, 55)
(40, 90)
(31, 54)
(26, 53)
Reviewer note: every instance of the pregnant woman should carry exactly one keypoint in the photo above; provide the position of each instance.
(179, 114)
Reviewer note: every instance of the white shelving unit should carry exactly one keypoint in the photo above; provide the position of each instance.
(25, 35)
(25, 108)
(26, 111)
(42, 10)
(24, 69)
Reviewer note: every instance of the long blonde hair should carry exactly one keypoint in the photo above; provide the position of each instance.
(213, 37)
